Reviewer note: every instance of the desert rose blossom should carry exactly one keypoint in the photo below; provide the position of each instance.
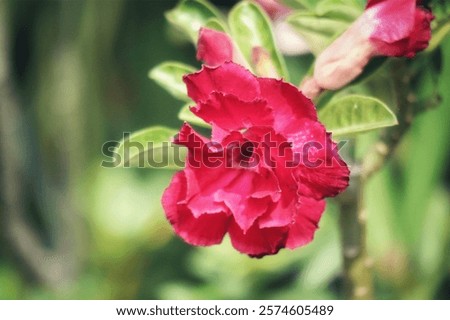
(386, 28)
(263, 174)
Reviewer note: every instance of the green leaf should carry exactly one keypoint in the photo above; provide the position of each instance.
(150, 148)
(216, 24)
(318, 31)
(169, 75)
(354, 114)
(300, 4)
(324, 22)
(190, 15)
(343, 10)
(313, 5)
(186, 114)
(250, 28)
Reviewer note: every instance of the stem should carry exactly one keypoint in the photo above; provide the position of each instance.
(358, 277)
(357, 264)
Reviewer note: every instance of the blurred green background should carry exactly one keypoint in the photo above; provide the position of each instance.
(73, 75)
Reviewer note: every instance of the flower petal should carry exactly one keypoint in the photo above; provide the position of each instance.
(239, 114)
(416, 41)
(214, 47)
(228, 78)
(249, 196)
(206, 162)
(282, 213)
(289, 105)
(257, 242)
(203, 187)
(394, 19)
(206, 230)
(302, 230)
(196, 144)
(320, 171)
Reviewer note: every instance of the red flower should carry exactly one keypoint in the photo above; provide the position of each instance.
(386, 28)
(263, 174)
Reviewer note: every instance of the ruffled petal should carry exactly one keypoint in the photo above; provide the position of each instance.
(206, 230)
(206, 162)
(257, 242)
(189, 138)
(289, 105)
(230, 113)
(203, 186)
(319, 169)
(214, 47)
(249, 196)
(228, 78)
(302, 231)
(197, 145)
(282, 213)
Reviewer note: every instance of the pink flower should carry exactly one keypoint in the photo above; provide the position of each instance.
(263, 175)
(386, 28)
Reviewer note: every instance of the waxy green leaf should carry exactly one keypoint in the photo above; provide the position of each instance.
(169, 75)
(150, 148)
(323, 23)
(251, 28)
(190, 15)
(354, 114)
(318, 31)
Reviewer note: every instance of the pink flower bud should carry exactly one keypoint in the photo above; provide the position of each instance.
(216, 47)
(386, 28)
